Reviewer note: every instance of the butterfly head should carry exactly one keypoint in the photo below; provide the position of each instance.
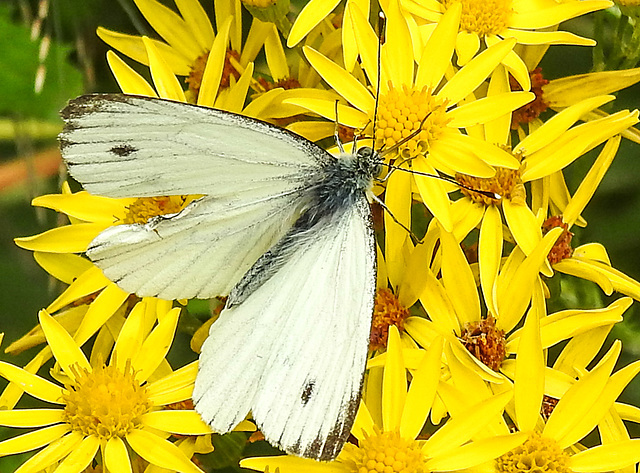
(368, 162)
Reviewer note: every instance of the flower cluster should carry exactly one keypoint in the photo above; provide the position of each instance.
(467, 369)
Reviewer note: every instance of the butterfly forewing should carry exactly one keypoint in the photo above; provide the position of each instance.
(255, 177)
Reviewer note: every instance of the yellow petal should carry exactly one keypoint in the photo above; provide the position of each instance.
(100, 310)
(30, 417)
(433, 193)
(489, 254)
(349, 38)
(276, 58)
(394, 384)
(554, 15)
(398, 49)
(529, 376)
(458, 279)
(238, 92)
(367, 43)
(559, 124)
(92, 280)
(523, 225)
(171, 27)
(64, 348)
(176, 422)
(130, 337)
(547, 37)
(64, 267)
(487, 109)
(33, 384)
(156, 346)
(347, 116)
(476, 453)
(464, 426)
(164, 80)
(67, 239)
(81, 456)
(312, 14)
(52, 453)
(422, 391)
(160, 452)
(579, 399)
(475, 72)
(467, 45)
(133, 46)
(291, 464)
(33, 440)
(213, 70)
(566, 91)
(341, 81)
(438, 50)
(591, 181)
(116, 456)
(129, 81)
(197, 22)
(615, 456)
(163, 391)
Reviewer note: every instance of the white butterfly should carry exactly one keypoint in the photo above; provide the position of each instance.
(284, 228)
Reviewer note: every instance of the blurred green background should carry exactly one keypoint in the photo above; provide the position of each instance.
(75, 63)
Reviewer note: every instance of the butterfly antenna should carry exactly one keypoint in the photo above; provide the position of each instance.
(382, 21)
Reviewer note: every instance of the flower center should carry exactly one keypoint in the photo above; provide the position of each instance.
(403, 112)
(529, 112)
(562, 248)
(384, 452)
(483, 17)
(506, 183)
(386, 311)
(105, 402)
(485, 341)
(145, 208)
(537, 454)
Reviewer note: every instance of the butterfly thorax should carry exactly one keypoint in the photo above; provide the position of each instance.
(346, 179)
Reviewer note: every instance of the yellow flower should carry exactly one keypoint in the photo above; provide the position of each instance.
(483, 344)
(217, 76)
(585, 404)
(411, 99)
(91, 299)
(543, 154)
(528, 21)
(390, 421)
(589, 261)
(117, 408)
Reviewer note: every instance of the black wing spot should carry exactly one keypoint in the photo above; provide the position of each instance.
(123, 150)
(307, 392)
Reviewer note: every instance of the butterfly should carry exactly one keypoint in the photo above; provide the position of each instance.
(283, 228)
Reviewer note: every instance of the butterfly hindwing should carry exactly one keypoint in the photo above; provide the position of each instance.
(302, 377)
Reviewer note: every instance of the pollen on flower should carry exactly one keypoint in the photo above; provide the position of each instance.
(548, 405)
(286, 84)
(194, 79)
(507, 183)
(483, 17)
(144, 208)
(384, 452)
(562, 248)
(485, 341)
(536, 454)
(529, 112)
(401, 112)
(386, 311)
(105, 402)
